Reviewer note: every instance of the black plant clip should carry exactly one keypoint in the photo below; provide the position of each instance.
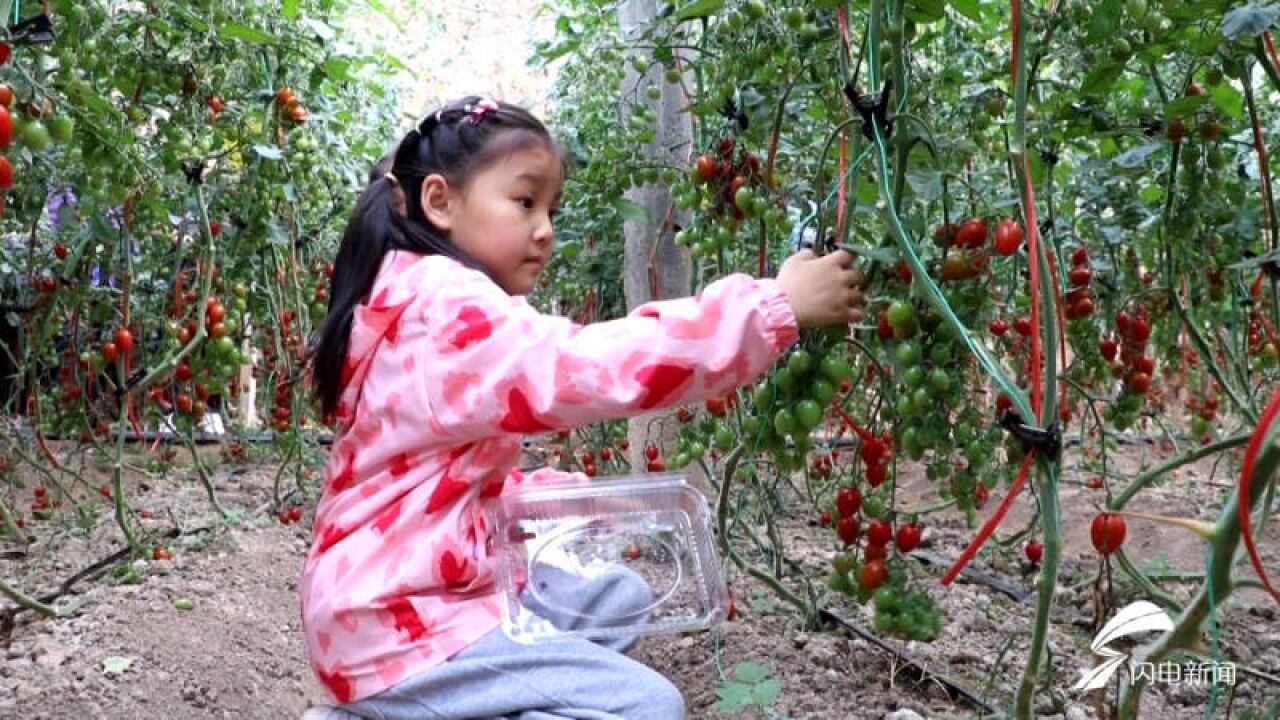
(36, 30)
(1047, 442)
(1270, 267)
(871, 106)
(732, 112)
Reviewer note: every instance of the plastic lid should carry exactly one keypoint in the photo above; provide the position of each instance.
(574, 559)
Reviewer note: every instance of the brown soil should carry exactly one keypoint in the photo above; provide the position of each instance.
(238, 653)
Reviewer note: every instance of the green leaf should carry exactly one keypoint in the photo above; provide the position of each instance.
(1252, 19)
(1185, 106)
(1151, 193)
(734, 697)
(1101, 79)
(925, 11)
(1227, 100)
(289, 9)
(925, 182)
(236, 31)
(339, 70)
(765, 692)
(629, 210)
(749, 672)
(698, 8)
(268, 152)
(968, 8)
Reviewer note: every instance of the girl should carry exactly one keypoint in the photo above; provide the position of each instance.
(433, 366)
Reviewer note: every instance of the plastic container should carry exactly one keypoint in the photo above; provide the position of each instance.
(656, 526)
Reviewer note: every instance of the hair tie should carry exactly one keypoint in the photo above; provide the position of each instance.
(480, 110)
(391, 178)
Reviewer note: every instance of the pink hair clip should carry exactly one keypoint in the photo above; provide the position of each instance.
(480, 110)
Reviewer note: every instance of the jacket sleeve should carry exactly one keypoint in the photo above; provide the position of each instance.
(493, 364)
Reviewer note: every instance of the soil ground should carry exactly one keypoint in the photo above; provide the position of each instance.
(126, 651)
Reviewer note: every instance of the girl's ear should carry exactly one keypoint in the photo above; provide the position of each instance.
(438, 204)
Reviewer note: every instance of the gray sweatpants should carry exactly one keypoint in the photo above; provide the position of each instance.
(570, 679)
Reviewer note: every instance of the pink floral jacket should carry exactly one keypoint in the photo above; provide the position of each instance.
(444, 375)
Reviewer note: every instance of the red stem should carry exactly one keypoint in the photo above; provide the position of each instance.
(1246, 474)
(990, 526)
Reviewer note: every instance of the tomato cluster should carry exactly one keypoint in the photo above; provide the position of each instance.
(1135, 367)
(1079, 301)
(729, 185)
(909, 615)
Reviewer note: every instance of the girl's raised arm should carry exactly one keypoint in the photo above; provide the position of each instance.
(494, 364)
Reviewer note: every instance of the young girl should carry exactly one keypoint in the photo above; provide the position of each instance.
(434, 366)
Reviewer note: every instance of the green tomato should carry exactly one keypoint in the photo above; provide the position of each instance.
(907, 354)
(36, 136)
(873, 506)
(913, 377)
(800, 363)
(764, 396)
(940, 380)
(784, 422)
(843, 563)
(785, 381)
(61, 129)
(822, 391)
(724, 437)
(901, 315)
(808, 413)
(835, 368)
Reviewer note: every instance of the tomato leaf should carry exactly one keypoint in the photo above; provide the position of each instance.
(734, 697)
(1227, 100)
(968, 8)
(236, 31)
(630, 210)
(766, 691)
(1252, 19)
(1101, 79)
(698, 9)
(925, 11)
(925, 182)
(1185, 106)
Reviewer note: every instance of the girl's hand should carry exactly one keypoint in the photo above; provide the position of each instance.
(823, 290)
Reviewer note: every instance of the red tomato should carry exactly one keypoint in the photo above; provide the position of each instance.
(124, 340)
(1022, 326)
(110, 352)
(877, 474)
(6, 173)
(1108, 347)
(848, 529)
(908, 537)
(6, 127)
(6, 52)
(1138, 383)
(1081, 276)
(972, 234)
(1107, 533)
(1080, 256)
(825, 518)
(1035, 551)
(651, 453)
(848, 502)
(1008, 237)
(879, 532)
(999, 327)
(1144, 364)
(874, 574)
(705, 169)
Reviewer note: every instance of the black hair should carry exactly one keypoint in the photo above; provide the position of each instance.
(455, 141)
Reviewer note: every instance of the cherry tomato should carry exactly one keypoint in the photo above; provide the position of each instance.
(848, 529)
(1080, 256)
(1008, 237)
(908, 537)
(874, 575)
(6, 127)
(1034, 551)
(6, 174)
(879, 532)
(110, 352)
(848, 502)
(1107, 533)
(124, 340)
(999, 327)
(972, 234)
(705, 168)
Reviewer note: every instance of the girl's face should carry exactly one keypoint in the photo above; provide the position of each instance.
(503, 216)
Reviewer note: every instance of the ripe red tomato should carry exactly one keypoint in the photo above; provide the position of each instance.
(825, 518)
(61, 251)
(848, 502)
(651, 453)
(606, 454)
(1144, 364)
(1080, 256)
(1008, 237)
(183, 403)
(848, 529)
(110, 352)
(877, 474)
(972, 234)
(183, 373)
(124, 340)
(214, 103)
(705, 168)
(6, 174)
(1034, 551)
(6, 127)
(879, 532)
(1022, 326)
(6, 52)
(874, 574)
(1081, 276)
(999, 327)
(1176, 130)
(1107, 533)
(1139, 329)
(1138, 383)
(1094, 483)
(6, 95)
(657, 466)
(908, 537)
(1108, 347)
(715, 406)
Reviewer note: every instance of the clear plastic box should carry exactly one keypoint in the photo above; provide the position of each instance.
(657, 526)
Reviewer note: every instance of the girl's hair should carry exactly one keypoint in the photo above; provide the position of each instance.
(462, 137)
